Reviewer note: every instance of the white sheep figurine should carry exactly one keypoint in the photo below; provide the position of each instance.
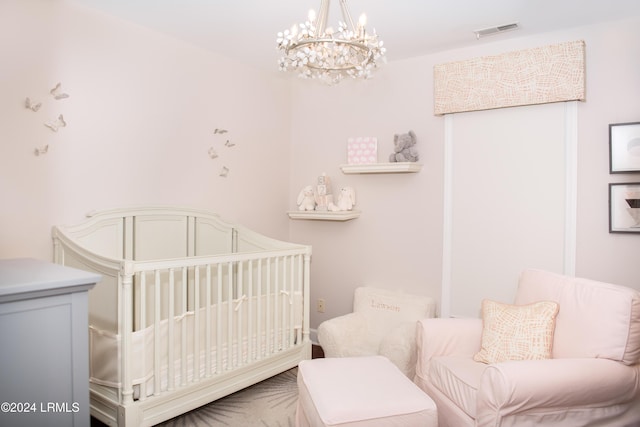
(306, 199)
(346, 200)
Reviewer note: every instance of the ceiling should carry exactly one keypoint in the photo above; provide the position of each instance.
(246, 30)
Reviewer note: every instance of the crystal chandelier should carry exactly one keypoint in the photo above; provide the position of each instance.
(316, 51)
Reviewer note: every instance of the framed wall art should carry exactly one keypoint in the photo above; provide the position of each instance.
(624, 147)
(362, 150)
(624, 207)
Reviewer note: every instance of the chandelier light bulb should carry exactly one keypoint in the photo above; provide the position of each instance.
(362, 20)
(314, 50)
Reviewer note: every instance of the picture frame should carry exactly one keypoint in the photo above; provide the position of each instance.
(624, 207)
(624, 147)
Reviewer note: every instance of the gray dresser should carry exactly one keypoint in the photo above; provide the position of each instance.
(44, 349)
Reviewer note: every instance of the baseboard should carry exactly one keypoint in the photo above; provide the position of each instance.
(313, 336)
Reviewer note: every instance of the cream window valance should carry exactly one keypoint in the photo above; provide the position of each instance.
(541, 75)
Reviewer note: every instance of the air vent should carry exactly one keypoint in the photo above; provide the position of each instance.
(495, 30)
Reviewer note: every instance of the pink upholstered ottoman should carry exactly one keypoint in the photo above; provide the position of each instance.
(360, 392)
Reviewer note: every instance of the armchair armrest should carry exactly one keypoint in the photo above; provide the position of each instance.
(346, 336)
(445, 337)
(512, 388)
(399, 346)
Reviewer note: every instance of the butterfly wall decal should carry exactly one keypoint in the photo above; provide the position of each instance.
(57, 123)
(43, 150)
(56, 92)
(31, 106)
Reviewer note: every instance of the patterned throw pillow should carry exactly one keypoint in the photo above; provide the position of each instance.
(512, 332)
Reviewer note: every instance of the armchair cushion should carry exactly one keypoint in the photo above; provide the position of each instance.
(585, 388)
(512, 332)
(566, 382)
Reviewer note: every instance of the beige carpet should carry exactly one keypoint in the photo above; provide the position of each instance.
(270, 403)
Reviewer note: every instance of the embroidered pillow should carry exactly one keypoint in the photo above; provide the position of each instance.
(516, 332)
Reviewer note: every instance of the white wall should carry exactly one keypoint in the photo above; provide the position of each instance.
(397, 241)
(141, 115)
(613, 85)
(142, 111)
(507, 192)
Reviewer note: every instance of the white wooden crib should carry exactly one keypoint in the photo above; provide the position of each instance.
(190, 309)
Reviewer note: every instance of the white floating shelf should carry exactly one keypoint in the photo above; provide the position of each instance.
(324, 216)
(400, 167)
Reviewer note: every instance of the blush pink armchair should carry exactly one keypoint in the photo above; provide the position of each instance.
(591, 379)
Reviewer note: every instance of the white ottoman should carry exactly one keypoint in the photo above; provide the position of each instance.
(360, 392)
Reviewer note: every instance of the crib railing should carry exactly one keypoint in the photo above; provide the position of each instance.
(202, 316)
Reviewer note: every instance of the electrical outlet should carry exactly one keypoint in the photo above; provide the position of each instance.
(321, 305)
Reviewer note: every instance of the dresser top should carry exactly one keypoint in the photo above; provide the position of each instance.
(24, 278)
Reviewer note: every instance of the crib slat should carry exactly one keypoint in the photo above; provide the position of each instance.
(291, 299)
(306, 290)
(219, 303)
(301, 291)
(127, 328)
(170, 320)
(250, 312)
(230, 317)
(268, 316)
(157, 383)
(285, 305)
(183, 344)
(239, 309)
(276, 309)
(259, 313)
(207, 327)
(143, 325)
(196, 326)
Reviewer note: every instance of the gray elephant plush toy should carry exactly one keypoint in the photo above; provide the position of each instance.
(404, 148)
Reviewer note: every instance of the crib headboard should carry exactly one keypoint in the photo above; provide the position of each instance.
(161, 232)
(112, 242)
